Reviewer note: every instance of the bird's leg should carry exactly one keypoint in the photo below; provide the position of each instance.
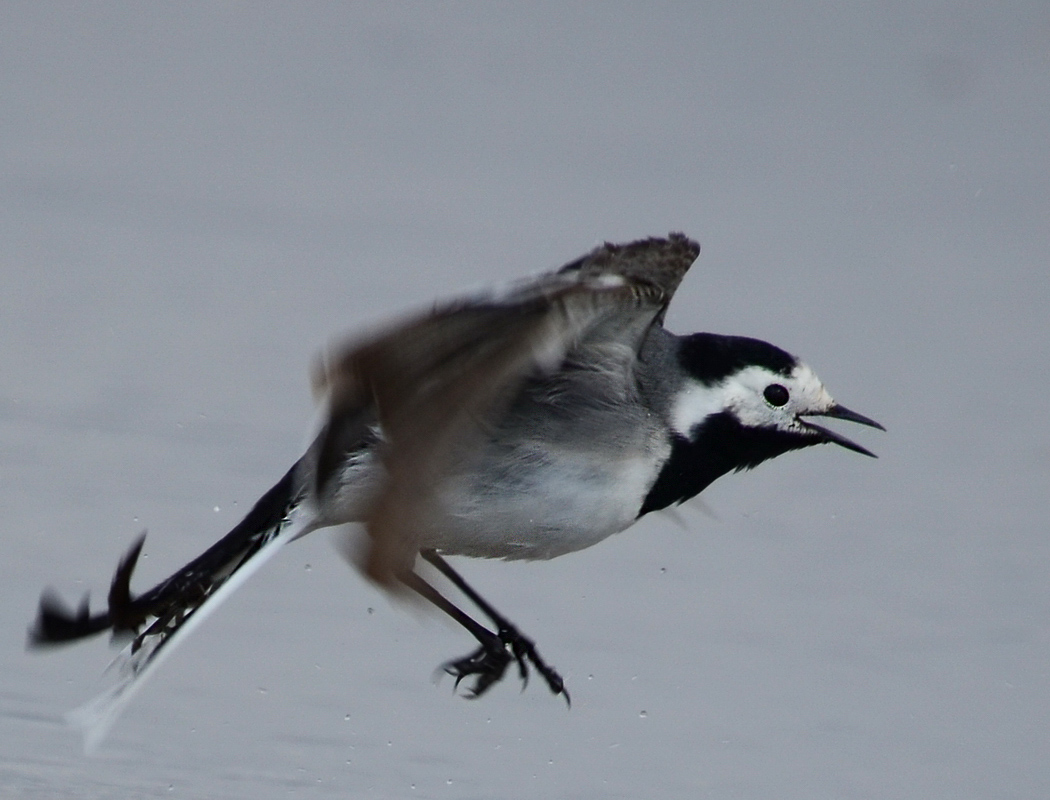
(488, 662)
(522, 648)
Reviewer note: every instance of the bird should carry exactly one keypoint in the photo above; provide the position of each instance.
(525, 422)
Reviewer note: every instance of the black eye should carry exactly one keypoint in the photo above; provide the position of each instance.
(776, 395)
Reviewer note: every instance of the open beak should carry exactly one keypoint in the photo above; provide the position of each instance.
(841, 412)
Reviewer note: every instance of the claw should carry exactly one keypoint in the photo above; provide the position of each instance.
(490, 661)
(517, 642)
(524, 650)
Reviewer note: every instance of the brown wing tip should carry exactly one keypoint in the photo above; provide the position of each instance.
(660, 262)
(676, 252)
(675, 243)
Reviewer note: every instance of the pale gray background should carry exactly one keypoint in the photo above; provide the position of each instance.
(193, 197)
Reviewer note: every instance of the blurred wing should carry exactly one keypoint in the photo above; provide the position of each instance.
(434, 383)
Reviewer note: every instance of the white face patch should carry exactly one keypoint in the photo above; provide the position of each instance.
(695, 403)
(742, 394)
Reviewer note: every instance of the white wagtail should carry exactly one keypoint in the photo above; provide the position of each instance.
(519, 425)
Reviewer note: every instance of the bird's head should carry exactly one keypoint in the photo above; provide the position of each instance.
(741, 401)
(767, 394)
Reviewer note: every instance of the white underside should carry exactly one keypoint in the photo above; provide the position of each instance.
(537, 504)
(567, 505)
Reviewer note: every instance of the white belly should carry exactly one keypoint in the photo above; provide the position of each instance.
(554, 505)
(521, 500)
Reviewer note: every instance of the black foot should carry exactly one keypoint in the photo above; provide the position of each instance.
(490, 661)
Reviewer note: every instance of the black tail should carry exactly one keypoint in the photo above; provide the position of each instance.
(176, 597)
